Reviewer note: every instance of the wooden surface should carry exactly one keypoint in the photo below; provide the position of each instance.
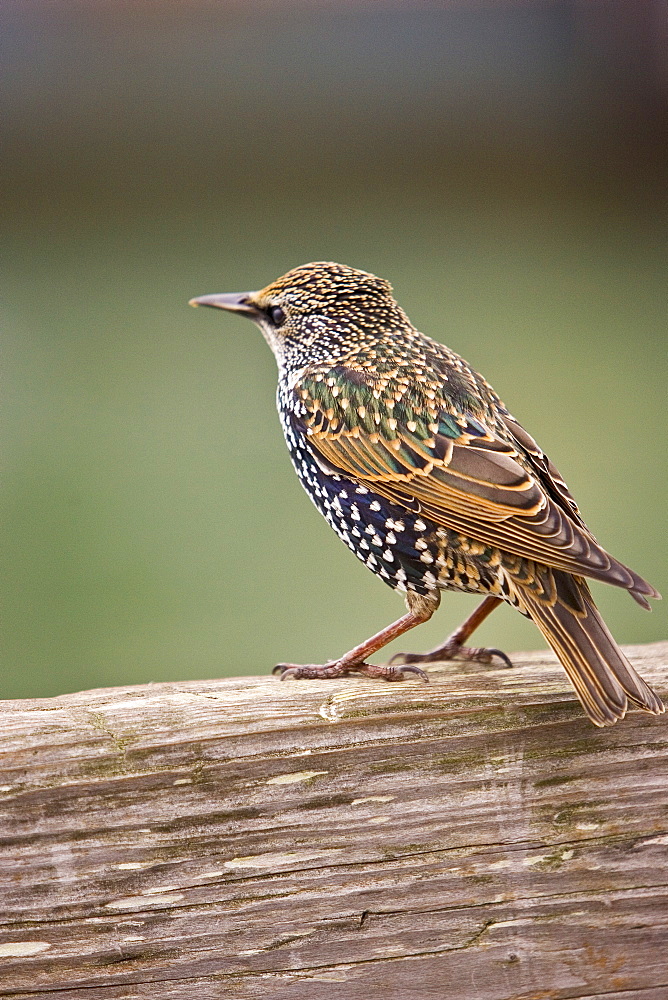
(474, 838)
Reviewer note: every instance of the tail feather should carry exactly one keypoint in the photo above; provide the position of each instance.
(602, 676)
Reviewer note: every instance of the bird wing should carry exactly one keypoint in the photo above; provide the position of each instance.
(546, 472)
(408, 444)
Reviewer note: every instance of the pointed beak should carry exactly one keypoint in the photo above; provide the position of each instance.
(238, 302)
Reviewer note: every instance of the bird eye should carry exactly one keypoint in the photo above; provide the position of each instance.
(276, 315)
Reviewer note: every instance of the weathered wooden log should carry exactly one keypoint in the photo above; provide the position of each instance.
(475, 838)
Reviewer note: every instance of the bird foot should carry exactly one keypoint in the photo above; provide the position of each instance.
(453, 650)
(339, 668)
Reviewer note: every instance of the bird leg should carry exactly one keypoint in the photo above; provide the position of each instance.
(420, 609)
(454, 649)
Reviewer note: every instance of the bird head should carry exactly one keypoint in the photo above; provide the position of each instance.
(316, 311)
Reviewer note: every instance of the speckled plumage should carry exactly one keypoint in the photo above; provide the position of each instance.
(421, 470)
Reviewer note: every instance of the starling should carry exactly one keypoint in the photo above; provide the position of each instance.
(421, 470)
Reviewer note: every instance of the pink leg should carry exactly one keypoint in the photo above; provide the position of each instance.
(454, 648)
(420, 610)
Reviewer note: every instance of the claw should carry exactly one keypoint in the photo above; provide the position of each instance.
(402, 658)
(294, 672)
(507, 662)
(390, 673)
(407, 669)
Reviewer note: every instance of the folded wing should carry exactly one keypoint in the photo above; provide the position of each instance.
(455, 469)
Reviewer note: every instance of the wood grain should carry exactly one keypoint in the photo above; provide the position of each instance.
(474, 838)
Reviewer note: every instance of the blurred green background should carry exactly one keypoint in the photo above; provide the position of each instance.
(501, 164)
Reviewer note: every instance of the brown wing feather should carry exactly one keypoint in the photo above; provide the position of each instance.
(547, 472)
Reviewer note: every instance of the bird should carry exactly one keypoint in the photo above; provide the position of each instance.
(422, 471)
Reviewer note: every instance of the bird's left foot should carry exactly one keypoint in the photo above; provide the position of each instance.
(339, 668)
(451, 649)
